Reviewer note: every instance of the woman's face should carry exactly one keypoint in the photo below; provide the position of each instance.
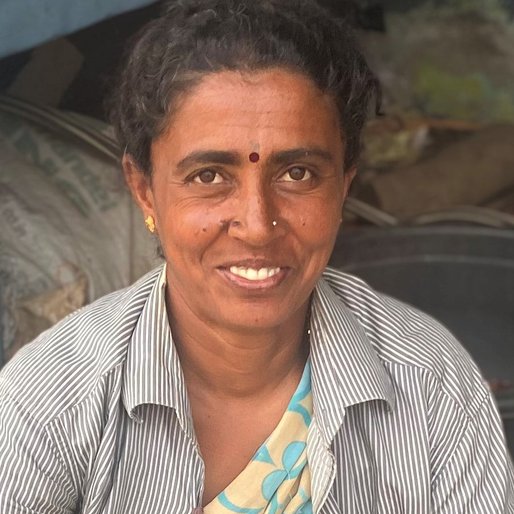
(246, 241)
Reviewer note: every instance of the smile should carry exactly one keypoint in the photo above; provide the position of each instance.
(254, 274)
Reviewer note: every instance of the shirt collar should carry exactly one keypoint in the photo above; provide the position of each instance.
(153, 374)
(346, 369)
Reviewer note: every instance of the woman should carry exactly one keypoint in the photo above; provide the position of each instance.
(236, 378)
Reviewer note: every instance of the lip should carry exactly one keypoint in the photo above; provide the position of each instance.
(253, 262)
(267, 283)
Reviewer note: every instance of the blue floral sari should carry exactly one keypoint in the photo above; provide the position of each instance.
(277, 479)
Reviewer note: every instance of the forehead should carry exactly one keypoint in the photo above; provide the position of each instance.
(268, 108)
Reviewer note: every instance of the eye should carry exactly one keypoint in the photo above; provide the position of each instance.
(207, 176)
(296, 174)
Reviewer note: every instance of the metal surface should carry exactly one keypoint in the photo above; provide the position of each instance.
(368, 213)
(469, 214)
(463, 276)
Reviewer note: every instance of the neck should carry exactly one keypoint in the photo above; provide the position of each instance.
(233, 363)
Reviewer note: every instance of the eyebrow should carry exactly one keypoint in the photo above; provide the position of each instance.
(209, 157)
(286, 156)
(232, 158)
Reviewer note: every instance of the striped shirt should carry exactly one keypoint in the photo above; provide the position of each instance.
(95, 418)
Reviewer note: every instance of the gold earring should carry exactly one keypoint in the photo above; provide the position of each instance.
(150, 224)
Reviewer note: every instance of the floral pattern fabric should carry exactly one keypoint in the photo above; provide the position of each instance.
(277, 479)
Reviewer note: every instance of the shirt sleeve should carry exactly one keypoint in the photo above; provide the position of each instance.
(478, 477)
(33, 478)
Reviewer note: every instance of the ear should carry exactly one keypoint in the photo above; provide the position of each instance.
(348, 177)
(140, 186)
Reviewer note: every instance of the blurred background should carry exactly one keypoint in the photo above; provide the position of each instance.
(431, 215)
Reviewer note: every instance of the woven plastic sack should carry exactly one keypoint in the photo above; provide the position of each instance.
(69, 231)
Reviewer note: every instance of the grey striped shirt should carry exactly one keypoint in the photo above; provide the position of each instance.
(94, 415)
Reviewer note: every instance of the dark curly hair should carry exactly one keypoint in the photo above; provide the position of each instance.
(196, 37)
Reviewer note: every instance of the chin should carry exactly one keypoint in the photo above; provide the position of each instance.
(256, 316)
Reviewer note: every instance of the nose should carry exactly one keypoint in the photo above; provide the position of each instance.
(254, 218)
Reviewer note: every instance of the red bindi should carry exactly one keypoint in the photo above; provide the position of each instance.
(254, 157)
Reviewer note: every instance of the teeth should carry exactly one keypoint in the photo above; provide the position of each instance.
(252, 273)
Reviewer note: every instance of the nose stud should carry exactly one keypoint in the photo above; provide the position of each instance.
(274, 223)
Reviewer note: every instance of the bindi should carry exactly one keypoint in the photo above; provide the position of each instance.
(254, 157)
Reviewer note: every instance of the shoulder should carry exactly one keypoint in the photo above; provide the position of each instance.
(68, 362)
(407, 340)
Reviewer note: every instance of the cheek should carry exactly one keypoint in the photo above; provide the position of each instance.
(187, 227)
(199, 222)
(317, 237)
(318, 220)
